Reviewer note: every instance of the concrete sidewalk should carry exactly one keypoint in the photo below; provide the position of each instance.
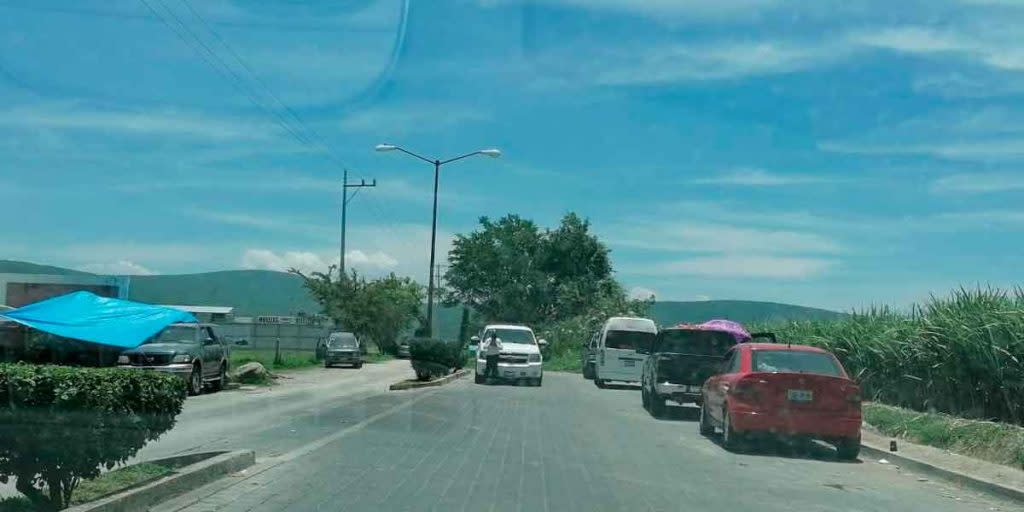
(957, 469)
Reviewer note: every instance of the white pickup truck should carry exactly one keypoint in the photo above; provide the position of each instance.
(520, 358)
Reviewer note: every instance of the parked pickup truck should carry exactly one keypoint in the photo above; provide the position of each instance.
(194, 352)
(681, 358)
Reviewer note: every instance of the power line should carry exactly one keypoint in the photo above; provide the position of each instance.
(224, 69)
(255, 77)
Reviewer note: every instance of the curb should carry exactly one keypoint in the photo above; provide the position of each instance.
(180, 481)
(965, 480)
(414, 384)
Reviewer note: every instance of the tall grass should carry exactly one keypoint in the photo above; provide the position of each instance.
(960, 354)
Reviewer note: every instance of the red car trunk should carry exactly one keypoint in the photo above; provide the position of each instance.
(785, 392)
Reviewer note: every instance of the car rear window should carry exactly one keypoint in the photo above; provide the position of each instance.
(628, 340)
(793, 361)
(696, 342)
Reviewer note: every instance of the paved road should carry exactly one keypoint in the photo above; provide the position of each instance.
(566, 446)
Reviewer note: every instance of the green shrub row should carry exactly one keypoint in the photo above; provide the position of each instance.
(432, 358)
(59, 424)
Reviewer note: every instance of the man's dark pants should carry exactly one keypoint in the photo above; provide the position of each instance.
(492, 366)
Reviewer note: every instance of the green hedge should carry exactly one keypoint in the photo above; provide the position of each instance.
(60, 424)
(433, 358)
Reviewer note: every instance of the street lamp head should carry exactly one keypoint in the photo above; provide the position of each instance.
(386, 147)
(493, 153)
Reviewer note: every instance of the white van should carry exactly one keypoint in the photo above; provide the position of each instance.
(617, 358)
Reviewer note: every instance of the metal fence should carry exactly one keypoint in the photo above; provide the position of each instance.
(265, 336)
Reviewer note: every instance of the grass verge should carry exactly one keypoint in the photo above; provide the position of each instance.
(116, 481)
(376, 357)
(1000, 443)
(566, 362)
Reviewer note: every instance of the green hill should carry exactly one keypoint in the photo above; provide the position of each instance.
(743, 311)
(257, 292)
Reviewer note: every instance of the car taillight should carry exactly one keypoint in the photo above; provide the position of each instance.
(854, 397)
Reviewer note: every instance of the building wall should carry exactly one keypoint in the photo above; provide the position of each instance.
(265, 336)
(17, 290)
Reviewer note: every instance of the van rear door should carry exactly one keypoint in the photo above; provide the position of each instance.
(619, 360)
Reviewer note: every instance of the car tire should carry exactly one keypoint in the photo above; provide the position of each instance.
(477, 378)
(731, 440)
(588, 372)
(222, 378)
(706, 428)
(599, 382)
(645, 399)
(195, 380)
(326, 364)
(357, 366)
(848, 448)
(656, 404)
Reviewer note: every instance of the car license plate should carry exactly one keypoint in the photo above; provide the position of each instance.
(800, 395)
(628, 363)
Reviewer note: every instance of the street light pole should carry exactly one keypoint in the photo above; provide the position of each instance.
(433, 242)
(493, 153)
(345, 185)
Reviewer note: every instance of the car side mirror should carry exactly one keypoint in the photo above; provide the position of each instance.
(542, 342)
(241, 342)
(475, 340)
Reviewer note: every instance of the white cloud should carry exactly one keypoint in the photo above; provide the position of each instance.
(641, 293)
(308, 261)
(993, 47)
(760, 178)
(703, 237)
(702, 298)
(392, 120)
(162, 122)
(736, 266)
(118, 268)
(716, 60)
(978, 183)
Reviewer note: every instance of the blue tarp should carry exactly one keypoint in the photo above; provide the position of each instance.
(88, 317)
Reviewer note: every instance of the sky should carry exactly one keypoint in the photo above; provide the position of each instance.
(836, 154)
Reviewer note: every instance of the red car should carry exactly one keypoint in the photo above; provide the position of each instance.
(794, 390)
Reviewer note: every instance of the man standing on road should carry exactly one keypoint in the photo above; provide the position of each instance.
(492, 350)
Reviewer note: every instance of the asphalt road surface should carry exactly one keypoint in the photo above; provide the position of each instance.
(563, 447)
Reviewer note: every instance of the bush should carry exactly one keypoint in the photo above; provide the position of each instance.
(59, 424)
(962, 354)
(433, 358)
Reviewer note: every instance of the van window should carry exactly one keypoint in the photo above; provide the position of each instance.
(628, 340)
(696, 342)
(342, 340)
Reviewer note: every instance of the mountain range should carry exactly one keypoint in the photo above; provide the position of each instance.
(256, 292)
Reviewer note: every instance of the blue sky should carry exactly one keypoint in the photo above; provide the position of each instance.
(834, 154)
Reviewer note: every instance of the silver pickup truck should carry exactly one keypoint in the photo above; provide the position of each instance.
(194, 352)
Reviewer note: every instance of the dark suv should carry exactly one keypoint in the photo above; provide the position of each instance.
(194, 352)
(679, 361)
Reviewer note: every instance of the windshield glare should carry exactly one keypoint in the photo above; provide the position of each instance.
(174, 334)
(342, 342)
(520, 336)
(792, 361)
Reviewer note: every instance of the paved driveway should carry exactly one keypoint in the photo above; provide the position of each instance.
(563, 447)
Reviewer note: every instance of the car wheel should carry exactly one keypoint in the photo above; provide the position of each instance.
(222, 378)
(598, 382)
(706, 428)
(848, 448)
(195, 380)
(357, 366)
(731, 439)
(644, 398)
(479, 379)
(657, 404)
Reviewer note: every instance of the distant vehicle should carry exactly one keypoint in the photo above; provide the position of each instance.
(343, 348)
(793, 390)
(681, 358)
(520, 358)
(194, 352)
(588, 357)
(403, 349)
(616, 349)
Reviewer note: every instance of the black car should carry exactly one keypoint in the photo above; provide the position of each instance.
(679, 361)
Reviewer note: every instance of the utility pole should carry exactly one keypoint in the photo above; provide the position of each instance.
(345, 198)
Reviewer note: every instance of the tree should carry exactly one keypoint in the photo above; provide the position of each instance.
(512, 270)
(378, 309)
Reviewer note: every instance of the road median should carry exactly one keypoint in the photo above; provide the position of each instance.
(415, 384)
(195, 471)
